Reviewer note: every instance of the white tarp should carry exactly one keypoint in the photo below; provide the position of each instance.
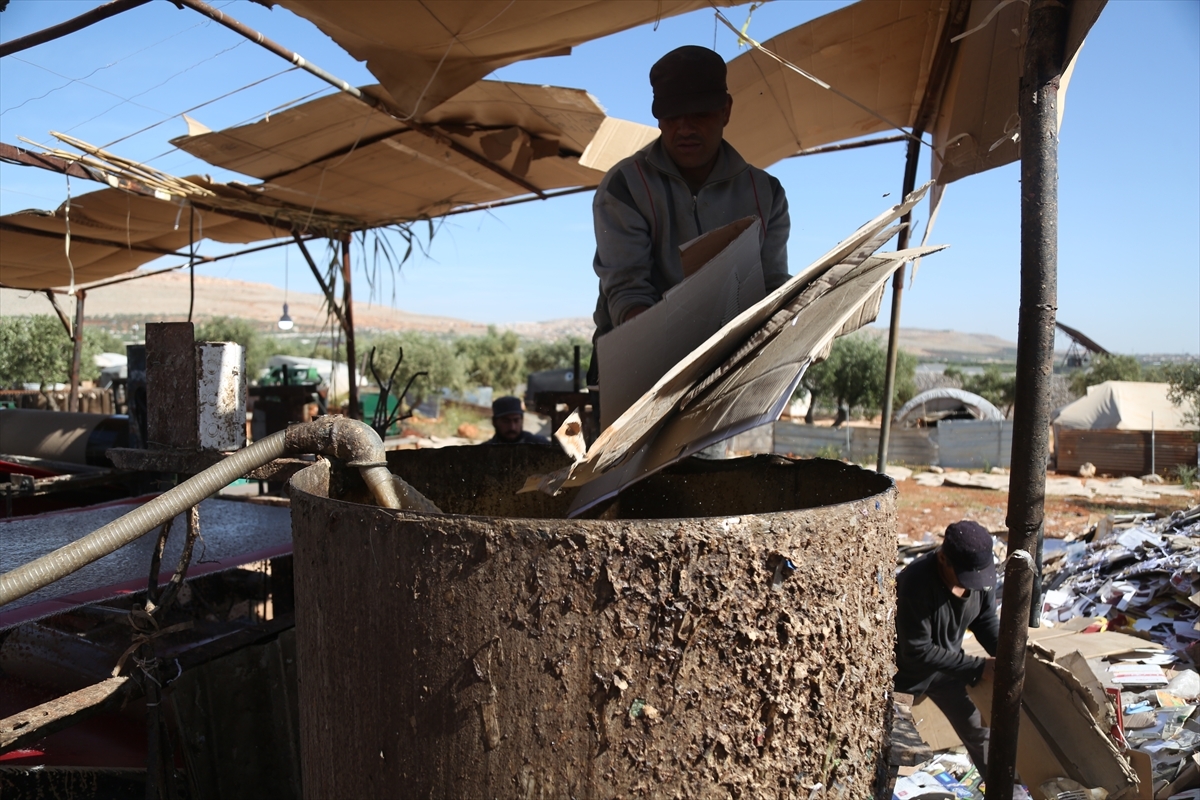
(1123, 406)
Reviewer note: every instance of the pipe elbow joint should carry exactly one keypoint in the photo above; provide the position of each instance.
(351, 441)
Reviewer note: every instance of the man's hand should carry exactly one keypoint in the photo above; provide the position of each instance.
(989, 670)
(633, 312)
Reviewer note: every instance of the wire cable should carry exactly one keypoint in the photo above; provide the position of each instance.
(93, 72)
(266, 115)
(165, 120)
(85, 83)
(155, 86)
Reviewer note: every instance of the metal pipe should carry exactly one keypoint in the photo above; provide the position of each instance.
(515, 201)
(338, 437)
(374, 102)
(1010, 678)
(835, 148)
(1153, 469)
(1044, 50)
(312, 220)
(939, 72)
(893, 345)
(76, 352)
(70, 26)
(348, 319)
(141, 248)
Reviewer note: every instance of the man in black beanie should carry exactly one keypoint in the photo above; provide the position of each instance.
(939, 597)
(686, 182)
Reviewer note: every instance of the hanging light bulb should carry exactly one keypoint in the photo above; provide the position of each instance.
(285, 322)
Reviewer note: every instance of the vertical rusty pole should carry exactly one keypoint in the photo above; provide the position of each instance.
(76, 352)
(1044, 50)
(1010, 678)
(939, 72)
(893, 346)
(348, 308)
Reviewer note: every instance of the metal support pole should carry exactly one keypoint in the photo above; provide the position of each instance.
(76, 352)
(70, 26)
(1044, 49)
(893, 346)
(348, 327)
(943, 60)
(1010, 678)
(1153, 465)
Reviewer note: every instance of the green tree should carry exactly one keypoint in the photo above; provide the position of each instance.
(995, 386)
(541, 356)
(854, 373)
(1109, 367)
(422, 353)
(1184, 391)
(37, 350)
(494, 359)
(240, 331)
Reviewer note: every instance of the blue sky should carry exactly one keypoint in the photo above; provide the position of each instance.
(1129, 165)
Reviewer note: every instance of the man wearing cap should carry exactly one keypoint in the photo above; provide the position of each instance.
(686, 182)
(508, 418)
(939, 597)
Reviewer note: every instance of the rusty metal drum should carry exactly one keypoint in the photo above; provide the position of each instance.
(723, 629)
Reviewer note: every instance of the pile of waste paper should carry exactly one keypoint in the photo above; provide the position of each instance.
(1116, 661)
(1136, 573)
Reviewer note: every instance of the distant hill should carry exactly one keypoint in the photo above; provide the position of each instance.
(929, 345)
(164, 298)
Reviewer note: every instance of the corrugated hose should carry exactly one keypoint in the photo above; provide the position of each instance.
(339, 437)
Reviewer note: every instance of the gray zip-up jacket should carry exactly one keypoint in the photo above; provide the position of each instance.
(643, 211)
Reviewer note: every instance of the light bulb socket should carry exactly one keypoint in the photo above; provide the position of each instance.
(285, 321)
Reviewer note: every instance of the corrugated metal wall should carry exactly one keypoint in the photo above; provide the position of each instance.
(907, 445)
(959, 444)
(1123, 452)
(975, 443)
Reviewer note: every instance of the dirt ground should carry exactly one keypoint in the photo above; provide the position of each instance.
(924, 509)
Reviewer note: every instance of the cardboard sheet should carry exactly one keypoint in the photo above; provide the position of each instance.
(756, 391)
(29, 261)
(624, 438)
(616, 139)
(879, 53)
(638, 353)
(426, 52)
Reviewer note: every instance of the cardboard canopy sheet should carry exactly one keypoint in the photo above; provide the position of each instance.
(880, 53)
(331, 164)
(29, 259)
(979, 110)
(340, 156)
(1124, 406)
(877, 51)
(427, 51)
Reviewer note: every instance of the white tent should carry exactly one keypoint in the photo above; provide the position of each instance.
(1125, 406)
